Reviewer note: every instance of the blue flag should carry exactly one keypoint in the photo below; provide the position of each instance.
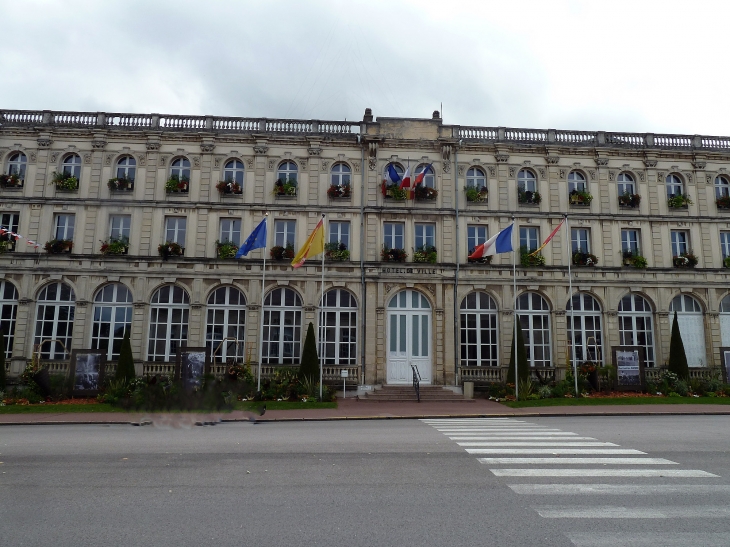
(392, 173)
(256, 240)
(503, 244)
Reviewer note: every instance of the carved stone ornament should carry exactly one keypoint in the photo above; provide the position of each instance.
(314, 151)
(44, 142)
(552, 160)
(446, 166)
(660, 176)
(592, 174)
(612, 175)
(140, 305)
(431, 289)
(325, 165)
(461, 170)
(302, 163)
(217, 162)
(249, 163)
(32, 157)
(24, 301)
(163, 160)
(142, 159)
(501, 158)
(689, 177)
(562, 173)
(253, 307)
(272, 163)
(601, 162)
(446, 152)
(54, 157)
(612, 313)
(196, 162)
(699, 164)
(207, 148)
(708, 179)
(379, 310)
(559, 313)
(651, 164)
(541, 171)
(642, 175)
(310, 308)
(108, 159)
(389, 287)
(98, 144)
(153, 146)
(512, 171)
(87, 159)
(372, 164)
(356, 166)
(196, 306)
(260, 149)
(492, 170)
(373, 149)
(82, 303)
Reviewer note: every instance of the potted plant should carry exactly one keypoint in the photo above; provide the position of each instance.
(57, 246)
(584, 259)
(12, 180)
(726, 261)
(425, 253)
(115, 246)
(6, 246)
(65, 182)
(685, 260)
(475, 194)
(527, 261)
(723, 202)
(580, 197)
(639, 262)
(393, 191)
(422, 192)
(336, 191)
(393, 255)
(627, 199)
(170, 248)
(175, 184)
(282, 253)
(229, 187)
(336, 251)
(226, 249)
(483, 260)
(285, 187)
(679, 201)
(120, 184)
(529, 198)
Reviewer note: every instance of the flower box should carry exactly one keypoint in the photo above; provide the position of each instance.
(634, 260)
(476, 195)
(286, 187)
(118, 246)
(58, 246)
(528, 261)
(726, 261)
(679, 201)
(7, 244)
(525, 197)
(426, 253)
(579, 197)
(121, 184)
(393, 255)
(685, 260)
(176, 185)
(394, 192)
(282, 253)
(629, 200)
(584, 259)
(723, 202)
(11, 181)
(424, 193)
(65, 182)
(226, 249)
(170, 248)
(229, 187)
(339, 192)
(336, 252)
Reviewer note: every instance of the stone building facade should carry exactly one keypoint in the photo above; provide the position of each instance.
(130, 183)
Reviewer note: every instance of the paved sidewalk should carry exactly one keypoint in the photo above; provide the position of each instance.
(351, 409)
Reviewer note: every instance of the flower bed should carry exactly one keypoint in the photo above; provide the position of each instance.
(111, 246)
(393, 255)
(11, 181)
(426, 253)
(65, 182)
(170, 248)
(176, 185)
(393, 191)
(58, 246)
(282, 253)
(336, 252)
(229, 187)
(723, 202)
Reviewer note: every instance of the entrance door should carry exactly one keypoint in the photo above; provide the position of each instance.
(409, 338)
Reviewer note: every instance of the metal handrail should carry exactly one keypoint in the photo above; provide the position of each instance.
(416, 382)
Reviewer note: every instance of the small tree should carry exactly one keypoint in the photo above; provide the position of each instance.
(2, 360)
(523, 367)
(677, 356)
(309, 367)
(125, 364)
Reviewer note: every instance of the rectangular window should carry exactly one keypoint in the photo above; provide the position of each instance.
(119, 226)
(680, 242)
(10, 222)
(580, 240)
(725, 244)
(475, 235)
(393, 235)
(529, 238)
(425, 235)
(230, 231)
(630, 242)
(340, 233)
(65, 226)
(175, 228)
(284, 232)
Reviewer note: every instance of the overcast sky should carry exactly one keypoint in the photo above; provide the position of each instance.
(655, 66)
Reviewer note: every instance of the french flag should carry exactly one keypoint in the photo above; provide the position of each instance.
(500, 243)
(422, 175)
(393, 174)
(406, 182)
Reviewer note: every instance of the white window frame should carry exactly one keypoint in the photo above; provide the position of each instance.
(285, 232)
(120, 226)
(172, 317)
(17, 164)
(339, 232)
(394, 234)
(287, 171)
(637, 324)
(625, 183)
(580, 240)
(680, 242)
(176, 230)
(674, 185)
(529, 238)
(429, 179)
(233, 171)
(630, 238)
(64, 224)
(72, 165)
(338, 328)
(535, 322)
(226, 318)
(230, 231)
(127, 168)
(476, 234)
(180, 168)
(425, 234)
(8, 314)
(57, 312)
(340, 174)
(577, 182)
(584, 313)
(111, 317)
(476, 178)
(282, 336)
(526, 181)
(479, 331)
(725, 244)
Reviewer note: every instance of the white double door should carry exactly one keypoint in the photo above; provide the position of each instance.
(409, 343)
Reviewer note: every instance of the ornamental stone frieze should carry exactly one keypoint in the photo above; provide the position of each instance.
(98, 144)
(314, 151)
(260, 149)
(153, 146)
(372, 164)
(552, 160)
(207, 148)
(492, 170)
(700, 165)
(602, 162)
(651, 164)
(501, 158)
(44, 142)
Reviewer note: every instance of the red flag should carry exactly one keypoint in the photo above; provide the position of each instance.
(406, 182)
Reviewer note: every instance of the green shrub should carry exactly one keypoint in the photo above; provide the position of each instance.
(523, 367)
(681, 388)
(2, 361)
(677, 356)
(309, 367)
(545, 392)
(125, 364)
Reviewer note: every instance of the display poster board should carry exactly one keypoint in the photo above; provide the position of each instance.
(190, 367)
(725, 364)
(87, 371)
(629, 368)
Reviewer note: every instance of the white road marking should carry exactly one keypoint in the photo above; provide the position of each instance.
(534, 443)
(494, 429)
(583, 473)
(648, 539)
(566, 451)
(572, 461)
(618, 489)
(618, 512)
(520, 438)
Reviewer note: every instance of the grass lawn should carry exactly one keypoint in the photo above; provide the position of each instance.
(282, 405)
(600, 401)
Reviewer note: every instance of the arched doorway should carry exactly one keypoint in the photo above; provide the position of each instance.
(692, 328)
(409, 338)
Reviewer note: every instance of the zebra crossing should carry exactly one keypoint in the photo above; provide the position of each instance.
(514, 448)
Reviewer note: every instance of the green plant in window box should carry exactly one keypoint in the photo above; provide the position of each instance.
(175, 184)
(285, 187)
(282, 253)
(229, 187)
(580, 197)
(422, 192)
(679, 201)
(115, 246)
(4, 246)
(685, 260)
(526, 196)
(57, 246)
(527, 261)
(475, 194)
(120, 184)
(393, 191)
(584, 259)
(393, 255)
(726, 261)
(12, 180)
(226, 249)
(627, 199)
(425, 253)
(635, 260)
(723, 202)
(170, 248)
(65, 181)
(336, 191)
(336, 251)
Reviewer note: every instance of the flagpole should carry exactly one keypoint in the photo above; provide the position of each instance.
(261, 319)
(572, 311)
(321, 318)
(514, 309)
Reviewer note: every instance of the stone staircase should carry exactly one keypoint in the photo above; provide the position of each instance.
(406, 394)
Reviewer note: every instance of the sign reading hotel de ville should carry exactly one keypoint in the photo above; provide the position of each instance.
(415, 271)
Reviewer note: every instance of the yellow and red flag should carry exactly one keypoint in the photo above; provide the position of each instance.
(552, 234)
(313, 246)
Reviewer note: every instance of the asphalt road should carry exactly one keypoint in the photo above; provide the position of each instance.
(582, 481)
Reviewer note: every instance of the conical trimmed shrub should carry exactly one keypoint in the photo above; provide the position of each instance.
(2, 361)
(523, 367)
(677, 356)
(125, 364)
(309, 367)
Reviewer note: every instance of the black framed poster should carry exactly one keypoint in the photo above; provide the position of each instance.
(87, 371)
(725, 364)
(629, 368)
(190, 367)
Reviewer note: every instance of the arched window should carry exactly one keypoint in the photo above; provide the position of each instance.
(127, 168)
(112, 317)
(526, 181)
(398, 169)
(282, 327)
(338, 324)
(226, 324)
(180, 169)
(674, 186)
(71, 166)
(576, 182)
(635, 326)
(625, 184)
(8, 314)
(429, 178)
(340, 174)
(722, 187)
(55, 310)
(287, 171)
(478, 326)
(233, 172)
(725, 321)
(17, 163)
(169, 311)
(584, 328)
(476, 178)
(534, 316)
(691, 327)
